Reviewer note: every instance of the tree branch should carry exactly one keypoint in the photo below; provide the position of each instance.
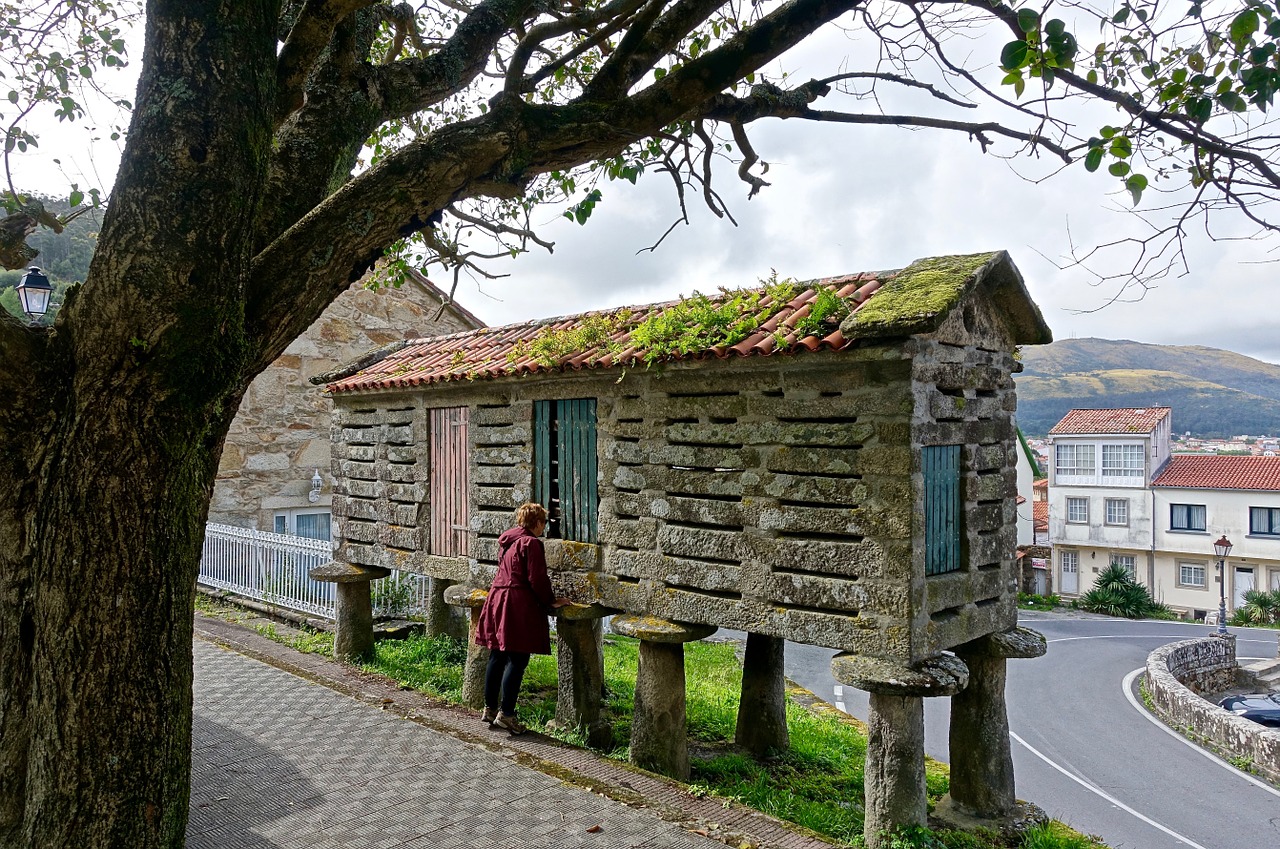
(307, 39)
(618, 10)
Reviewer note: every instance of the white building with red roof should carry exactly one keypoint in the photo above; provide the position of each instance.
(1118, 495)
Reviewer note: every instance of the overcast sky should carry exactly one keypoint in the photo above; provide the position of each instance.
(845, 199)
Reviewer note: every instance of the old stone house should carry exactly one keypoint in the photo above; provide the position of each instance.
(840, 472)
(279, 439)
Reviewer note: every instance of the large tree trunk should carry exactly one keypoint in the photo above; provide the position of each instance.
(101, 525)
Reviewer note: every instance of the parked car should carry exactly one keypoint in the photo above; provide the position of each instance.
(1262, 708)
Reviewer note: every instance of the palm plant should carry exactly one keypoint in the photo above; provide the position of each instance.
(1261, 607)
(1115, 593)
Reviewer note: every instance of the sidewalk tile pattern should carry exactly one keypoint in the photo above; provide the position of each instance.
(281, 763)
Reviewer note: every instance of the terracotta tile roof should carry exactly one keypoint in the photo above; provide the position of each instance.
(1115, 420)
(1040, 515)
(1207, 471)
(499, 351)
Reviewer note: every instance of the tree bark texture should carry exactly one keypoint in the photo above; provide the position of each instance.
(762, 712)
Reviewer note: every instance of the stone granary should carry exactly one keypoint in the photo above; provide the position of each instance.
(831, 463)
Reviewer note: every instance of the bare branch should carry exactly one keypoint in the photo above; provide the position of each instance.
(618, 11)
(307, 40)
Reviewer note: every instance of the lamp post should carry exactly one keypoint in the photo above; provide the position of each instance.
(1222, 548)
(34, 291)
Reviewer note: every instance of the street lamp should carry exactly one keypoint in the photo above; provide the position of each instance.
(34, 291)
(1222, 548)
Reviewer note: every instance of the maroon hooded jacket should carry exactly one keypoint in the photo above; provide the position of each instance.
(514, 616)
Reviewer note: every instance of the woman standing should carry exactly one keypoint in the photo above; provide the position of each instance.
(513, 621)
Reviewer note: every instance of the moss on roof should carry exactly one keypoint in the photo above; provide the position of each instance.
(917, 296)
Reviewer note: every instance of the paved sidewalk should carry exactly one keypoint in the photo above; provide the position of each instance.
(348, 760)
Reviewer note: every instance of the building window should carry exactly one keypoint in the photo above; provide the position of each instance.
(1074, 460)
(1078, 511)
(1264, 521)
(565, 467)
(1117, 511)
(1191, 575)
(1128, 563)
(312, 524)
(942, 508)
(1122, 461)
(447, 494)
(1186, 517)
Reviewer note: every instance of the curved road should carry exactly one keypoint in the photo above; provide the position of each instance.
(1085, 749)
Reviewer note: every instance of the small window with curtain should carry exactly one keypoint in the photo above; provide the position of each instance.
(1078, 511)
(1264, 521)
(943, 516)
(1186, 517)
(565, 467)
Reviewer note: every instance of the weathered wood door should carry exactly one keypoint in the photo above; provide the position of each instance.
(448, 491)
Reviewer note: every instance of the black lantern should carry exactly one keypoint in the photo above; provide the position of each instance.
(1222, 548)
(34, 291)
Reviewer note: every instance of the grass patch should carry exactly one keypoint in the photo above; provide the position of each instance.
(1031, 601)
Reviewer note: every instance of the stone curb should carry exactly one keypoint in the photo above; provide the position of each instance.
(723, 820)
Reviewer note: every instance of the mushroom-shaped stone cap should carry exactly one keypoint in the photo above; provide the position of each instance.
(944, 675)
(1017, 642)
(461, 595)
(577, 612)
(336, 572)
(656, 630)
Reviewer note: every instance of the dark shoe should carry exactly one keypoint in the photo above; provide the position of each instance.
(510, 723)
(489, 715)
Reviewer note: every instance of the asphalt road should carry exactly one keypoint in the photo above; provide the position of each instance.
(1086, 750)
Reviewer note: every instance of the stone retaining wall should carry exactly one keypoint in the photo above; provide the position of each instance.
(1179, 672)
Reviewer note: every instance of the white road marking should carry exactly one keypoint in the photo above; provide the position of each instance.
(1140, 708)
(839, 693)
(1141, 637)
(1112, 799)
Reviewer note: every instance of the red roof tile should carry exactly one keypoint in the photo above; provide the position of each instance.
(498, 351)
(1207, 471)
(1040, 515)
(1116, 420)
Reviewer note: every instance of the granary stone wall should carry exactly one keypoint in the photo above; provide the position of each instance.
(280, 435)
(773, 495)
(964, 395)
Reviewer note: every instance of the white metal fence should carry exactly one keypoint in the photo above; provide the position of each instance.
(274, 569)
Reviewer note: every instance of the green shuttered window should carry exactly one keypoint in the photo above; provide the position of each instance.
(564, 466)
(942, 508)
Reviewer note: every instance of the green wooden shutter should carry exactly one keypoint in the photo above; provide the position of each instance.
(543, 474)
(942, 508)
(576, 449)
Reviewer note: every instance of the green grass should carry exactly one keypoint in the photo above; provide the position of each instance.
(1031, 601)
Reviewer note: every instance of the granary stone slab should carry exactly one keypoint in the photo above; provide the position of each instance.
(498, 474)
(677, 481)
(567, 555)
(819, 520)
(360, 435)
(461, 595)
(833, 491)
(659, 407)
(352, 470)
(499, 435)
(944, 675)
(411, 493)
(829, 593)
(637, 534)
(485, 415)
(957, 626)
(368, 556)
(676, 541)
(337, 572)
(439, 566)
(404, 514)
(829, 461)
(655, 630)
(398, 536)
(402, 454)
(966, 587)
(712, 577)
(360, 531)
(1017, 642)
(983, 457)
(700, 457)
(500, 455)
(863, 559)
(362, 453)
(398, 435)
(362, 488)
(400, 473)
(675, 508)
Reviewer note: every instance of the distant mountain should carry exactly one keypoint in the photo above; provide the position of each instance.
(1212, 392)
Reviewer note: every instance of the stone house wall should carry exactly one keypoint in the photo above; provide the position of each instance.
(775, 495)
(280, 435)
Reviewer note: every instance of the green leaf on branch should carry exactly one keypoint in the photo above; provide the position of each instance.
(1243, 27)
(1093, 159)
(1118, 169)
(1014, 55)
(1028, 20)
(1135, 185)
(1121, 147)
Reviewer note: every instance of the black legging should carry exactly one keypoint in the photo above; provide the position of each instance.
(503, 675)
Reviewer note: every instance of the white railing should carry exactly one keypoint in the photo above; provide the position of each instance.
(275, 569)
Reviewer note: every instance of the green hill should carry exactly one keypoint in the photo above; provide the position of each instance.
(1212, 392)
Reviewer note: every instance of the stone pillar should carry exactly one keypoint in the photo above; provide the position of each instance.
(659, 736)
(762, 711)
(353, 607)
(894, 780)
(982, 786)
(580, 672)
(471, 598)
(443, 620)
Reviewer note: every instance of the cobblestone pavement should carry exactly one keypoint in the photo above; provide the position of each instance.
(346, 759)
